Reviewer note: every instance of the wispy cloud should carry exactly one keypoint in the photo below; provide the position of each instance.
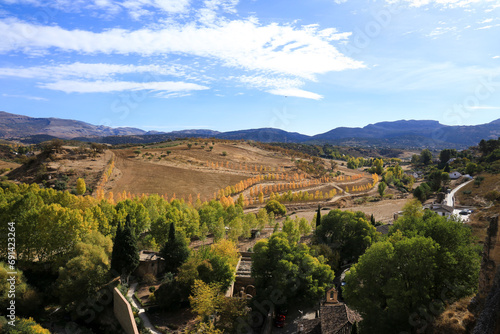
(296, 92)
(71, 86)
(444, 3)
(28, 97)
(135, 8)
(88, 70)
(483, 108)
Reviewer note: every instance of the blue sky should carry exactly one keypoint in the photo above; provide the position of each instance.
(304, 66)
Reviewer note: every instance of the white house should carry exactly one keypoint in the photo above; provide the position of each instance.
(455, 175)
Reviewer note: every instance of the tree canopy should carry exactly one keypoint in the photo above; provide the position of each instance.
(426, 261)
(348, 232)
(289, 269)
(125, 255)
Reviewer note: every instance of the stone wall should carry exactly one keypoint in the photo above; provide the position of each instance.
(488, 297)
(491, 258)
(123, 312)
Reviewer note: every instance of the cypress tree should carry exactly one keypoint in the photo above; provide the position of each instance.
(354, 328)
(175, 251)
(125, 256)
(318, 217)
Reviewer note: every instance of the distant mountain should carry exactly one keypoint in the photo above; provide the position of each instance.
(398, 134)
(411, 134)
(18, 126)
(266, 135)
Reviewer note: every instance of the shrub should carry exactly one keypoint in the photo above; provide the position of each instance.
(152, 289)
(149, 279)
(224, 153)
(60, 185)
(493, 195)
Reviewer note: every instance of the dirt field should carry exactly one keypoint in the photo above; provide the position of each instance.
(382, 211)
(5, 164)
(140, 177)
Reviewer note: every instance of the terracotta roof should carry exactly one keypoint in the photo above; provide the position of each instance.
(334, 317)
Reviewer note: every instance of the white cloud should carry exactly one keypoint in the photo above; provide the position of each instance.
(483, 108)
(295, 92)
(303, 51)
(496, 57)
(441, 31)
(136, 8)
(444, 3)
(259, 81)
(489, 26)
(90, 71)
(73, 86)
(35, 98)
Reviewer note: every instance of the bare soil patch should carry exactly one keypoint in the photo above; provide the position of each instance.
(139, 177)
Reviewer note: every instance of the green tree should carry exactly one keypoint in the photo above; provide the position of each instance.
(379, 166)
(137, 214)
(446, 154)
(389, 281)
(381, 188)
(206, 298)
(203, 233)
(80, 186)
(23, 326)
(208, 265)
(471, 168)
(348, 232)
(276, 207)
(291, 269)
(27, 299)
(426, 258)
(219, 230)
(125, 255)
(426, 156)
(413, 209)
(304, 226)
(237, 228)
(86, 271)
(437, 179)
(291, 229)
(175, 251)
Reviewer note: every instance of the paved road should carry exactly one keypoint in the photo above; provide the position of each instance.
(450, 201)
(142, 313)
(450, 198)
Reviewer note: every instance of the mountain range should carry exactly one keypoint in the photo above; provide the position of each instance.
(400, 134)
